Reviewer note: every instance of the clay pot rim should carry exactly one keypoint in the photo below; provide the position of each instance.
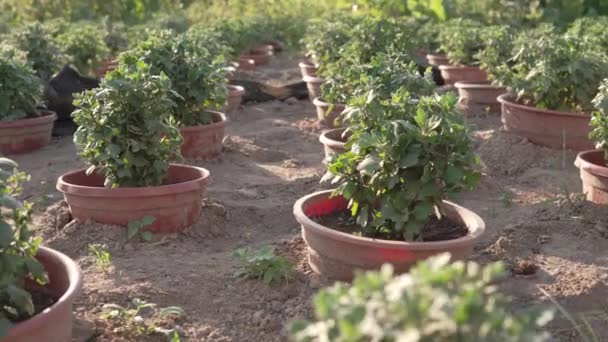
(477, 85)
(237, 90)
(326, 140)
(46, 118)
(130, 192)
(214, 125)
(245, 60)
(475, 230)
(318, 101)
(454, 67)
(506, 99)
(74, 275)
(582, 162)
(313, 79)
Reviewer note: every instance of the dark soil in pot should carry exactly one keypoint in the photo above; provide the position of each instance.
(433, 230)
(53, 302)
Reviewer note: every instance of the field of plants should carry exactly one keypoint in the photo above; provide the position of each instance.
(363, 170)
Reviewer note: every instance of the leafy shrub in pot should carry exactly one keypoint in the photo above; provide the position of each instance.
(128, 136)
(27, 268)
(405, 155)
(325, 36)
(552, 79)
(42, 52)
(435, 301)
(126, 131)
(84, 45)
(461, 40)
(199, 86)
(23, 127)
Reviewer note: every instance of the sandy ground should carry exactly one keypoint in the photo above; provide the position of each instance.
(530, 199)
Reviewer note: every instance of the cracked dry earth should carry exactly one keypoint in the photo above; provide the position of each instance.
(554, 243)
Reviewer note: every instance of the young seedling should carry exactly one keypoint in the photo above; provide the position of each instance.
(143, 318)
(101, 255)
(134, 228)
(263, 264)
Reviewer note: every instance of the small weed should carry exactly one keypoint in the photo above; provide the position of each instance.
(134, 228)
(142, 318)
(506, 197)
(102, 256)
(263, 264)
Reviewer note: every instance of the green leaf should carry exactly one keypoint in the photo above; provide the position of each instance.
(6, 234)
(147, 236)
(147, 220)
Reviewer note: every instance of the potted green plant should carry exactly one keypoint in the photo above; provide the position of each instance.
(23, 127)
(551, 78)
(84, 45)
(128, 136)
(384, 74)
(435, 301)
(115, 36)
(322, 42)
(199, 85)
(407, 155)
(428, 40)
(481, 96)
(461, 40)
(39, 284)
(42, 51)
(592, 163)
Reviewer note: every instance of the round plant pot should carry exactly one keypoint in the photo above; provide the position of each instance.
(437, 60)
(313, 84)
(259, 57)
(26, 135)
(456, 73)
(235, 97)
(549, 128)
(333, 141)
(246, 63)
(308, 69)
(204, 141)
(54, 324)
(175, 205)
(337, 255)
(594, 175)
(478, 97)
(326, 116)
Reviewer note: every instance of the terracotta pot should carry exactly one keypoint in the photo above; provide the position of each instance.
(549, 128)
(477, 97)
(326, 117)
(175, 205)
(437, 60)
(259, 58)
(308, 69)
(333, 141)
(204, 141)
(246, 63)
(455, 73)
(313, 84)
(106, 67)
(54, 324)
(263, 49)
(235, 97)
(337, 255)
(26, 135)
(594, 174)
